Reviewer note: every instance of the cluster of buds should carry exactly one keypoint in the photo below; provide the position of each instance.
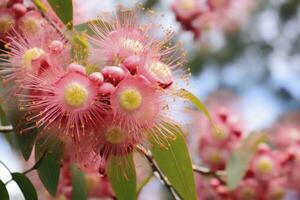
(107, 111)
(15, 15)
(198, 16)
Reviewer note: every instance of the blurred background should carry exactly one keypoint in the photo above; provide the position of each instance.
(259, 62)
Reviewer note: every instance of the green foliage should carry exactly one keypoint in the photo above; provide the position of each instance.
(64, 10)
(3, 192)
(79, 190)
(174, 161)
(194, 100)
(25, 139)
(239, 159)
(122, 176)
(49, 151)
(25, 185)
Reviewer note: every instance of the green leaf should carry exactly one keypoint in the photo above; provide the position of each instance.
(64, 10)
(25, 185)
(194, 100)
(50, 151)
(122, 176)
(239, 159)
(80, 48)
(236, 168)
(3, 192)
(25, 139)
(79, 190)
(174, 161)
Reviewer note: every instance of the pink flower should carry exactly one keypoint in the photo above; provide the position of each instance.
(266, 164)
(124, 41)
(186, 11)
(71, 102)
(277, 189)
(226, 15)
(286, 132)
(136, 103)
(216, 143)
(113, 139)
(249, 189)
(34, 54)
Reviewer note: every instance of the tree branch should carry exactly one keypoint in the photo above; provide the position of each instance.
(209, 173)
(157, 172)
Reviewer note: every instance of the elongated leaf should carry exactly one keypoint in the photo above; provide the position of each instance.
(79, 190)
(25, 185)
(174, 161)
(237, 166)
(3, 192)
(194, 100)
(50, 153)
(239, 159)
(122, 176)
(25, 139)
(64, 10)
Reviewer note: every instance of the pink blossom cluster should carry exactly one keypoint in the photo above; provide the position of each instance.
(265, 179)
(16, 16)
(200, 16)
(103, 106)
(273, 170)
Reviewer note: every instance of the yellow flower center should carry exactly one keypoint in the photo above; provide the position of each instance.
(247, 193)
(264, 165)
(187, 4)
(132, 45)
(75, 95)
(215, 157)
(114, 135)
(6, 23)
(278, 194)
(130, 99)
(30, 55)
(160, 70)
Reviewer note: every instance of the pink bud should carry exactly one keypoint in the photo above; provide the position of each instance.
(97, 77)
(215, 183)
(263, 148)
(106, 88)
(132, 63)
(74, 67)
(56, 47)
(19, 9)
(222, 191)
(223, 114)
(113, 74)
